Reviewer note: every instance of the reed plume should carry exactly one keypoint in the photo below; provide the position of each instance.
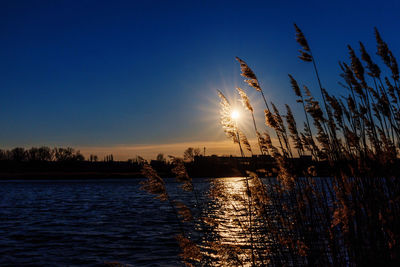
(228, 123)
(246, 104)
(294, 134)
(244, 141)
(252, 79)
(308, 57)
(249, 74)
(183, 211)
(191, 253)
(295, 86)
(306, 52)
(181, 174)
(154, 184)
(245, 100)
(226, 120)
(374, 70)
(383, 49)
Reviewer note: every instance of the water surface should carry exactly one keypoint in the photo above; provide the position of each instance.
(92, 222)
(85, 223)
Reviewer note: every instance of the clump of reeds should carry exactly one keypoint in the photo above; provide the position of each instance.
(345, 208)
(349, 217)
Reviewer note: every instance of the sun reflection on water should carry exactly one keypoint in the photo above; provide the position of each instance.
(232, 241)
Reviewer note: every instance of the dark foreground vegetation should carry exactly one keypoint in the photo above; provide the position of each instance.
(351, 218)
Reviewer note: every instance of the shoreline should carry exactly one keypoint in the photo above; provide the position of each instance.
(69, 175)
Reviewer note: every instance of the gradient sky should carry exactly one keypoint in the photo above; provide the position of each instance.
(140, 77)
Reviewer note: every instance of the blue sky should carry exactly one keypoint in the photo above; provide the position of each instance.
(104, 75)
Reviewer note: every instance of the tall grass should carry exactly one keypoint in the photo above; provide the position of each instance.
(350, 218)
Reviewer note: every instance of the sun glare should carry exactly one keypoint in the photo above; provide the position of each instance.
(235, 114)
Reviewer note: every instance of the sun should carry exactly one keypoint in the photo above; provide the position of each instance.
(235, 114)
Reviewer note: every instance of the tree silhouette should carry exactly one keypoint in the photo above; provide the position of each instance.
(160, 157)
(18, 154)
(93, 158)
(190, 153)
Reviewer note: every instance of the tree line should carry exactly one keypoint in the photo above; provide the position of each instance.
(44, 153)
(68, 154)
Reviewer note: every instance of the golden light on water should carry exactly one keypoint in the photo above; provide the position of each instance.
(231, 214)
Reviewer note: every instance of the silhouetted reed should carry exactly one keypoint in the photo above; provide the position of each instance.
(349, 218)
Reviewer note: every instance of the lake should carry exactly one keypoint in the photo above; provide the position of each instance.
(92, 222)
